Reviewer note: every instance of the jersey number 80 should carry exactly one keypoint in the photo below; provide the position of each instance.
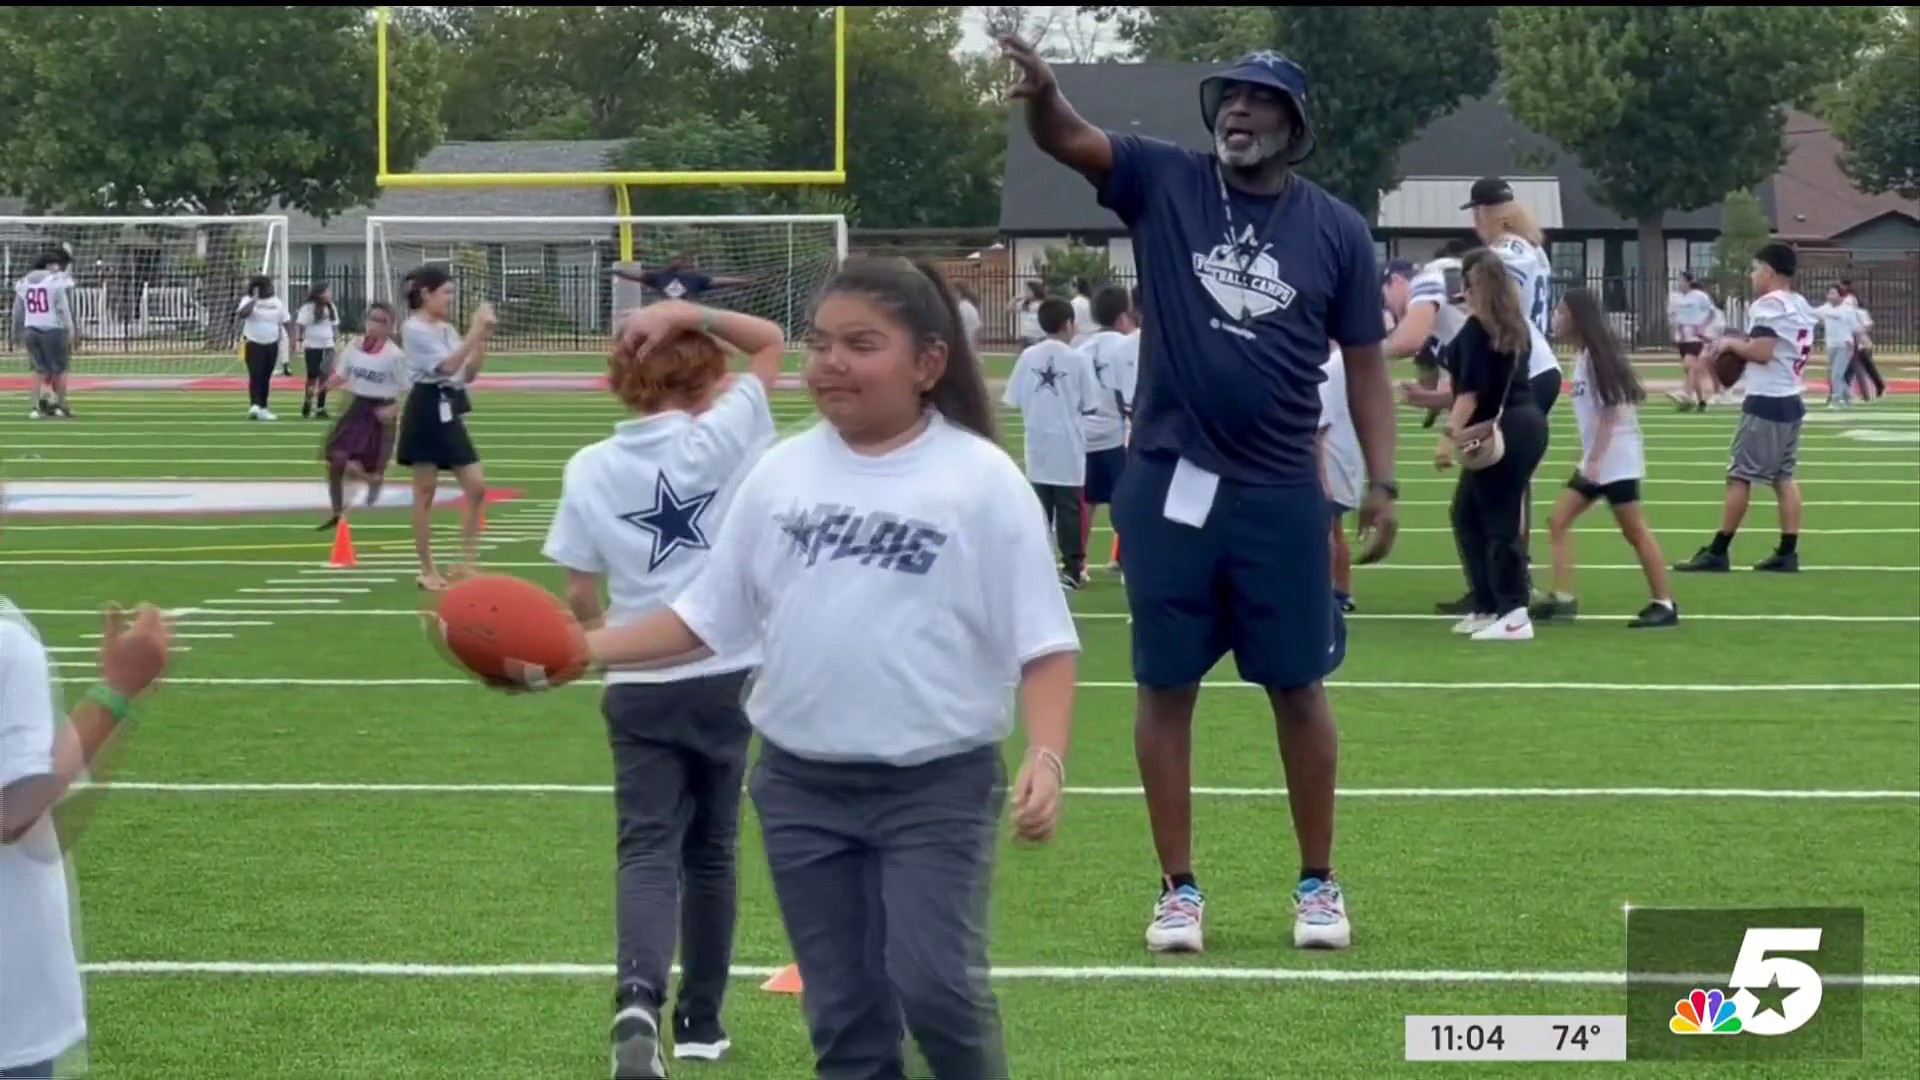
(1542, 297)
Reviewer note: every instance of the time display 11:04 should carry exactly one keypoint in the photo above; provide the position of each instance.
(1469, 1037)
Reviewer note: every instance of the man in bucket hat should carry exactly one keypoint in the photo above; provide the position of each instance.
(1249, 273)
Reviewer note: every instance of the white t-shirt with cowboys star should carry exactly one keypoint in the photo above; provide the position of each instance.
(1054, 388)
(644, 507)
(897, 596)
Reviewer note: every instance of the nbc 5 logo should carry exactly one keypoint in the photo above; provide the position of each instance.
(1772, 995)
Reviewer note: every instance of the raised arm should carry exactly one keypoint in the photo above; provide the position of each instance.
(1060, 132)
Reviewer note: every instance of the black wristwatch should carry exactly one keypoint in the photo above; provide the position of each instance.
(1392, 489)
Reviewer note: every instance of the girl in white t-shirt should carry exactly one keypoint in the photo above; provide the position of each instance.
(1026, 310)
(374, 372)
(1606, 406)
(893, 565)
(316, 325)
(263, 318)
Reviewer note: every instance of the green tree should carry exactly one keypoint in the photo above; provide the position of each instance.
(697, 142)
(202, 110)
(1668, 106)
(1378, 75)
(1743, 228)
(1877, 117)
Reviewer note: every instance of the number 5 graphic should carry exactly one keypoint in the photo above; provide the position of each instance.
(1753, 968)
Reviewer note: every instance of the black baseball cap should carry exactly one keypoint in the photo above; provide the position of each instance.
(1488, 191)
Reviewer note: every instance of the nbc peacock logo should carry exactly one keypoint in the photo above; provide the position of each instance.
(1705, 1012)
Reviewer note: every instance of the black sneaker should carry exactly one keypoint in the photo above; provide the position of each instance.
(1656, 615)
(1779, 563)
(1549, 608)
(306, 408)
(320, 413)
(1347, 606)
(702, 1041)
(1462, 606)
(1704, 561)
(636, 1040)
(1073, 582)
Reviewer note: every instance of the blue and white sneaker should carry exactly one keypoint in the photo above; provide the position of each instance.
(1320, 916)
(1177, 916)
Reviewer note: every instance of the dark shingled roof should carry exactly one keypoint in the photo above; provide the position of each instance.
(1042, 197)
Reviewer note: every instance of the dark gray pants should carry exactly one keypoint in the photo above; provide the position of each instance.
(1068, 514)
(679, 756)
(883, 876)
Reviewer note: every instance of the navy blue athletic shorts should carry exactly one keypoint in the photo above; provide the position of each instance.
(1255, 580)
(1103, 474)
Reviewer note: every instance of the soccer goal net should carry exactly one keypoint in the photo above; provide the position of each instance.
(152, 295)
(558, 283)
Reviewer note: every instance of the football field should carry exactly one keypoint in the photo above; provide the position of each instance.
(329, 855)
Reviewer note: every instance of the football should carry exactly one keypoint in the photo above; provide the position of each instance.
(1727, 367)
(512, 633)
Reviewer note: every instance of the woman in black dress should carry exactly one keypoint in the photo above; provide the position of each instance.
(433, 435)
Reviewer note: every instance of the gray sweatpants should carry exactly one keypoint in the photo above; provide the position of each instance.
(679, 757)
(883, 875)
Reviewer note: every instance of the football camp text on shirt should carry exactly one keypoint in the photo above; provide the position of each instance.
(1238, 338)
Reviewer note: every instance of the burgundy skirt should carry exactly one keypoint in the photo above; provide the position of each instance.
(359, 437)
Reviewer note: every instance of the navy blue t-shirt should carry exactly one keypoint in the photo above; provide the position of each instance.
(1239, 400)
(677, 284)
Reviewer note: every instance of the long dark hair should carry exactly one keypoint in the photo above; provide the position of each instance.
(423, 281)
(916, 295)
(1493, 300)
(322, 309)
(1614, 381)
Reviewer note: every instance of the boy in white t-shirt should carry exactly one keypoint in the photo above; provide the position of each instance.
(1114, 352)
(891, 565)
(638, 515)
(1054, 387)
(42, 756)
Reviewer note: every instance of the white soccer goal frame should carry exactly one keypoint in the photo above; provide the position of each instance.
(377, 226)
(279, 244)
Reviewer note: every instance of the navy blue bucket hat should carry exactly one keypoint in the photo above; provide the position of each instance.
(1275, 72)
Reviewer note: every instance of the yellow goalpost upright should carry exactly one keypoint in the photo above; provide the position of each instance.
(620, 181)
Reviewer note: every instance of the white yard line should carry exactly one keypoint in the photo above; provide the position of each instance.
(404, 559)
(1585, 618)
(327, 788)
(1337, 684)
(1170, 972)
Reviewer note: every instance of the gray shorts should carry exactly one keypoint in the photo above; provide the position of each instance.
(47, 351)
(1764, 451)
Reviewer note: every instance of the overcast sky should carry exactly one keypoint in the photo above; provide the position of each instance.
(1068, 33)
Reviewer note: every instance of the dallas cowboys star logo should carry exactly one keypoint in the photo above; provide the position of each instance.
(673, 521)
(1100, 371)
(1049, 376)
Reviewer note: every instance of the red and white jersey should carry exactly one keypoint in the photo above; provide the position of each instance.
(1787, 318)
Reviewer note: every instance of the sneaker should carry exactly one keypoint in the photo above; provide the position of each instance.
(1682, 399)
(1072, 582)
(1320, 916)
(60, 409)
(636, 1044)
(266, 414)
(701, 1042)
(1473, 624)
(35, 414)
(1778, 563)
(1656, 615)
(1462, 606)
(1347, 606)
(253, 412)
(1515, 625)
(320, 413)
(306, 409)
(1550, 607)
(1704, 561)
(1177, 916)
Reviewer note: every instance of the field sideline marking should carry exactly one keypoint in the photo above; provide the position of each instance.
(394, 613)
(402, 558)
(1337, 684)
(1171, 971)
(324, 788)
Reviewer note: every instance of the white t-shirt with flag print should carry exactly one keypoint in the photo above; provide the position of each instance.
(896, 597)
(644, 507)
(1054, 388)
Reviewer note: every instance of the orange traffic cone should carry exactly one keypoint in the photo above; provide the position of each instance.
(342, 547)
(784, 981)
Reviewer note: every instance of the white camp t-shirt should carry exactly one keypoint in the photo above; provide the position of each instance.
(43, 299)
(1790, 320)
(645, 505)
(428, 344)
(42, 1007)
(1626, 457)
(316, 332)
(1345, 471)
(1054, 388)
(380, 373)
(1113, 356)
(1693, 313)
(897, 597)
(263, 323)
